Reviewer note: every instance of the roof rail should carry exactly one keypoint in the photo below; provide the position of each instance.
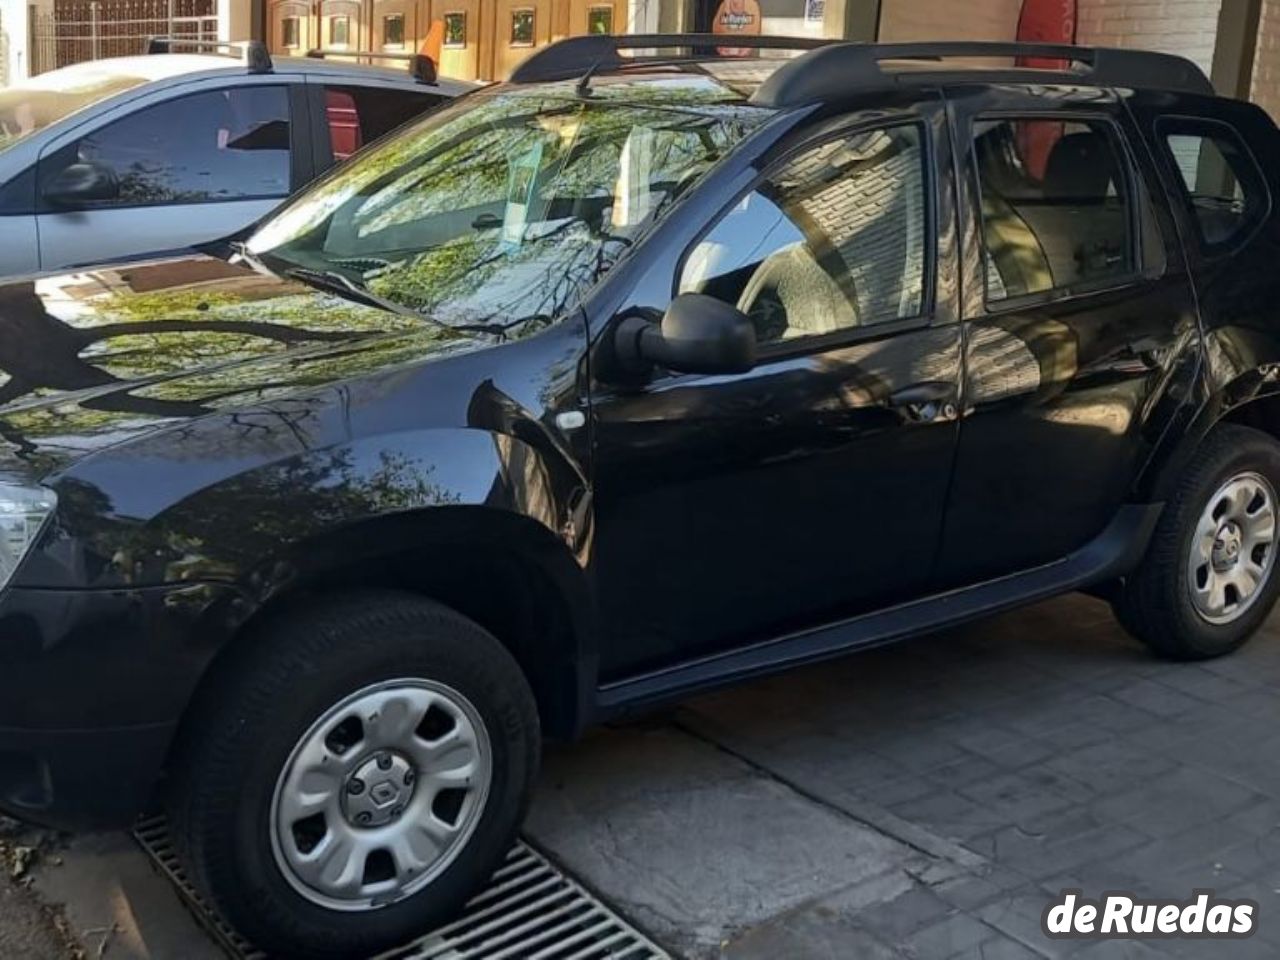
(601, 53)
(254, 52)
(421, 67)
(836, 69)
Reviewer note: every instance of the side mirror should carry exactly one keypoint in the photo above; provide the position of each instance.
(83, 183)
(698, 334)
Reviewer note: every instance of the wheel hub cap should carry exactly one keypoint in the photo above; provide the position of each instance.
(1233, 548)
(381, 794)
(1226, 547)
(379, 790)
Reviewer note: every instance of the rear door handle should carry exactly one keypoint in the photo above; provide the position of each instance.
(926, 402)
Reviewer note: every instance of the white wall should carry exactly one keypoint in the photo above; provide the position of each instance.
(1185, 27)
(14, 55)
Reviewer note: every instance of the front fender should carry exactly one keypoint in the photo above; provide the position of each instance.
(262, 526)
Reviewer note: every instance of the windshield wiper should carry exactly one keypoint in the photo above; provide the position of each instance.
(344, 286)
(339, 283)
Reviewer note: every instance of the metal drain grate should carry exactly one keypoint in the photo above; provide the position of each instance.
(531, 910)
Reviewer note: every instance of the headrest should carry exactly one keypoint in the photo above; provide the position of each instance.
(1080, 165)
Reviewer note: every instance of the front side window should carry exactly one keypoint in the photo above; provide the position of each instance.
(835, 239)
(228, 144)
(455, 29)
(1222, 184)
(1056, 208)
(521, 28)
(503, 208)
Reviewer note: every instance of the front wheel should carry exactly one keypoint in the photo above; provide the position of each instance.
(1208, 580)
(356, 775)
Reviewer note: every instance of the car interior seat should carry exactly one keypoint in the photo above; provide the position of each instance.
(790, 295)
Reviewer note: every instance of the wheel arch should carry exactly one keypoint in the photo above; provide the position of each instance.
(503, 570)
(1252, 399)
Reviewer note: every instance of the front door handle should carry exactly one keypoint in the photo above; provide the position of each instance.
(925, 402)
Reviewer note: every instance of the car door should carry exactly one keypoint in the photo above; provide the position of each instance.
(1080, 325)
(192, 166)
(731, 508)
(348, 117)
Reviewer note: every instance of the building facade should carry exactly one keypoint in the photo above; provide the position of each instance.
(472, 39)
(1236, 41)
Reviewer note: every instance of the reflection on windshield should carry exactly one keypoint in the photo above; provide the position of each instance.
(506, 208)
(29, 108)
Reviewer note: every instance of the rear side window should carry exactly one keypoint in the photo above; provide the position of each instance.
(1057, 213)
(1221, 182)
(360, 115)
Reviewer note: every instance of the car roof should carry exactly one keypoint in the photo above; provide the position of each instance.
(833, 70)
(147, 67)
(159, 67)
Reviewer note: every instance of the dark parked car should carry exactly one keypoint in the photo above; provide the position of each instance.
(135, 156)
(624, 379)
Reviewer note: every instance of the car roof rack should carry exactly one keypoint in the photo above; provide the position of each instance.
(421, 67)
(836, 69)
(254, 52)
(602, 53)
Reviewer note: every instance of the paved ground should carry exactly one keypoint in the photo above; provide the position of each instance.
(924, 800)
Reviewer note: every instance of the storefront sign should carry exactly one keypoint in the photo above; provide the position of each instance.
(740, 17)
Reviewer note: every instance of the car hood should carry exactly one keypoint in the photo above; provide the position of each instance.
(97, 357)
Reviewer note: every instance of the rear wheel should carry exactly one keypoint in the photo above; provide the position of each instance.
(355, 775)
(1208, 580)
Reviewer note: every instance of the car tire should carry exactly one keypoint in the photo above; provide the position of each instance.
(321, 697)
(1190, 598)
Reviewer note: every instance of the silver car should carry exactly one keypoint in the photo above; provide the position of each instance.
(153, 153)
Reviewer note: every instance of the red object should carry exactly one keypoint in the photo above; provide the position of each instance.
(344, 123)
(1043, 21)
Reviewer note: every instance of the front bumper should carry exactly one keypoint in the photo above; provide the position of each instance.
(93, 685)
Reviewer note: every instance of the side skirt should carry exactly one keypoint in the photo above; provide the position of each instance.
(1113, 553)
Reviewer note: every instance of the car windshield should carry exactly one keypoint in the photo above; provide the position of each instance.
(31, 105)
(507, 206)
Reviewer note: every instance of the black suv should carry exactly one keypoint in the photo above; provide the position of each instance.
(644, 372)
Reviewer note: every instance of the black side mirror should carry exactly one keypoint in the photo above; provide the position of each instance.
(698, 334)
(80, 183)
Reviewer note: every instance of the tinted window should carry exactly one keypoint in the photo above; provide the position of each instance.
(455, 29)
(360, 115)
(522, 28)
(600, 20)
(393, 30)
(1056, 211)
(221, 145)
(836, 238)
(1222, 183)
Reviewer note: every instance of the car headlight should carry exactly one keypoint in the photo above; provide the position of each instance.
(23, 512)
